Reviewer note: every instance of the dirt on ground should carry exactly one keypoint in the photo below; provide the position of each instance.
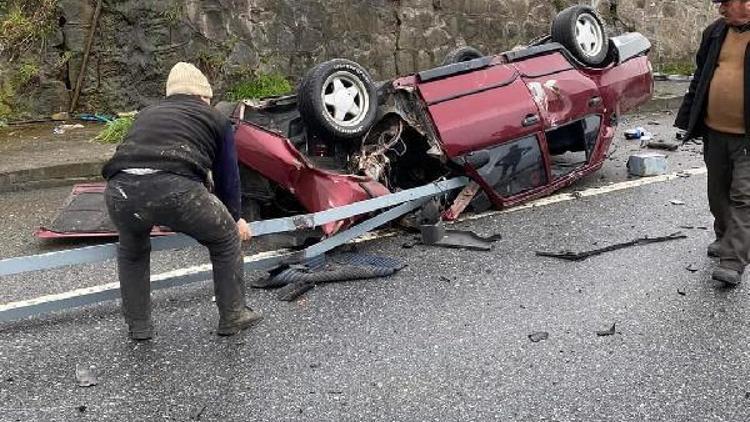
(24, 147)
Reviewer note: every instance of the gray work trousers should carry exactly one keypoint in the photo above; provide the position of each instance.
(137, 203)
(727, 158)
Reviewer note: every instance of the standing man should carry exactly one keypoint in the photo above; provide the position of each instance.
(717, 107)
(158, 176)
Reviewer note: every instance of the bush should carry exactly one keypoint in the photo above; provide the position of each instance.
(26, 23)
(259, 87)
(115, 131)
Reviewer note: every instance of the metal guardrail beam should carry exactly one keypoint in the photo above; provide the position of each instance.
(92, 254)
(263, 261)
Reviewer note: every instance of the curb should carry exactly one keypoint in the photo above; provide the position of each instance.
(52, 176)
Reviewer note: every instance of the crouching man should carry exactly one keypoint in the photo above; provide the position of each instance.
(158, 176)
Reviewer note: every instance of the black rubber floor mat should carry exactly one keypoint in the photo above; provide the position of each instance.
(298, 279)
(83, 212)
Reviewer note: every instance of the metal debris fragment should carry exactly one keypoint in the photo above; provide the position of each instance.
(437, 235)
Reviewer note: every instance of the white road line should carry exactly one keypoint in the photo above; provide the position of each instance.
(554, 199)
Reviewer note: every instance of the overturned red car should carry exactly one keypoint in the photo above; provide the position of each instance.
(520, 124)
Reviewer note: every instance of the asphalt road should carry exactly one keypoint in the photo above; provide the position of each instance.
(447, 338)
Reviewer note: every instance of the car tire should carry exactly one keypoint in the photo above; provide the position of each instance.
(580, 30)
(338, 98)
(462, 54)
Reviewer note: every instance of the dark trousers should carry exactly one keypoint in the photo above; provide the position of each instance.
(727, 159)
(137, 203)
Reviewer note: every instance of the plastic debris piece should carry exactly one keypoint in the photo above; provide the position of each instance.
(609, 332)
(86, 377)
(677, 202)
(538, 336)
(580, 256)
(692, 268)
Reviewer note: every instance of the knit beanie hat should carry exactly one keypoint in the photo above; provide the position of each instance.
(184, 78)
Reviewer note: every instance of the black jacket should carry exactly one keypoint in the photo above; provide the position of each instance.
(692, 113)
(185, 136)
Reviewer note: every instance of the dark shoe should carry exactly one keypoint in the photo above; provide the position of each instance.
(238, 321)
(727, 276)
(713, 249)
(141, 330)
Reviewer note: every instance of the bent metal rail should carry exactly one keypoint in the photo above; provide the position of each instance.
(402, 202)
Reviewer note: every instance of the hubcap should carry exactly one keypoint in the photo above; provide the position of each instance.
(589, 35)
(346, 99)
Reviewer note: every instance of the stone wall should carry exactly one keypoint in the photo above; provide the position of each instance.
(137, 41)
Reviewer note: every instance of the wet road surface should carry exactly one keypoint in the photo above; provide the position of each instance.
(444, 339)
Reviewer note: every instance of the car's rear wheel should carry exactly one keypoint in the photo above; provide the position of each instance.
(338, 98)
(462, 54)
(581, 31)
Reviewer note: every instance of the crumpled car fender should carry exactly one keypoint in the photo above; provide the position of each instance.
(275, 158)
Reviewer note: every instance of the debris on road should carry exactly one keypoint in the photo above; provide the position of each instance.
(636, 134)
(61, 129)
(296, 280)
(538, 336)
(662, 144)
(677, 202)
(609, 332)
(86, 377)
(681, 292)
(437, 235)
(647, 164)
(692, 268)
(580, 256)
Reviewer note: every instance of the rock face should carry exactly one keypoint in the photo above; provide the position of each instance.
(137, 41)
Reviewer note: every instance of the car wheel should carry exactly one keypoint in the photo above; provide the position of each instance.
(338, 98)
(462, 54)
(581, 31)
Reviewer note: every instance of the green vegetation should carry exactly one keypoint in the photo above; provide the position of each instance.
(210, 63)
(174, 12)
(558, 4)
(115, 131)
(26, 73)
(26, 23)
(677, 68)
(13, 82)
(260, 86)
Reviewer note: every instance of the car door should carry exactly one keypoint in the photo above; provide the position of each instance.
(488, 122)
(570, 107)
